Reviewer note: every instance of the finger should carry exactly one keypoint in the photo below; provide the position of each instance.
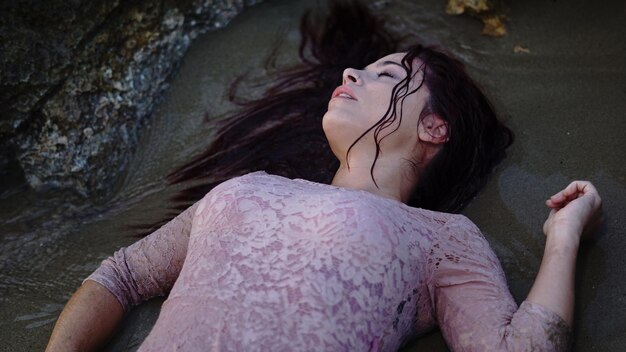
(568, 192)
(587, 189)
(554, 205)
(574, 190)
(571, 192)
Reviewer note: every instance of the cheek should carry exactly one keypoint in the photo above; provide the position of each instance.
(376, 107)
(408, 130)
(412, 104)
(384, 99)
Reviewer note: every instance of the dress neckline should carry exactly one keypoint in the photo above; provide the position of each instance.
(344, 189)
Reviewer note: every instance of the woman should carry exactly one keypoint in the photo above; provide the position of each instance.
(264, 262)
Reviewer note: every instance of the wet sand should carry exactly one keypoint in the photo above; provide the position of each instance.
(565, 100)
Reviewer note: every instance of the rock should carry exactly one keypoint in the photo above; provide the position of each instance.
(79, 79)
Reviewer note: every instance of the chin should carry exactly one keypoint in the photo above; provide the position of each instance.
(338, 118)
(342, 128)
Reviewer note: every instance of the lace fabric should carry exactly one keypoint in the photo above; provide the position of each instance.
(263, 262)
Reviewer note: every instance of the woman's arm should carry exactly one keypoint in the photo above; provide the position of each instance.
(474, 307)
(145, 269)
(88, 320)
(576, 210)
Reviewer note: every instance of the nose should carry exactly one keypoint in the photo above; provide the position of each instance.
(351, 75)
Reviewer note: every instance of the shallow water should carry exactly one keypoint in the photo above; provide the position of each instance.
(565, 100)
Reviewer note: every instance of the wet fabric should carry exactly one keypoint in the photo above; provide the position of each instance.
(266, 263)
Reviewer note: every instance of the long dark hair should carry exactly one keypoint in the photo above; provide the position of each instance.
(281, 132)
(477, 139)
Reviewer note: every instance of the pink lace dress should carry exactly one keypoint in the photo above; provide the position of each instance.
(266, 263)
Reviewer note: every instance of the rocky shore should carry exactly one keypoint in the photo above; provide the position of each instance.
(79, 79)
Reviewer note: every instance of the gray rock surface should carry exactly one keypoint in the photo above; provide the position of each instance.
(78, 80)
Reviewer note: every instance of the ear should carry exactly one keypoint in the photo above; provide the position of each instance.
(433, 129)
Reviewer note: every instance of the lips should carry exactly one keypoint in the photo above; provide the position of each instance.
(343, 92)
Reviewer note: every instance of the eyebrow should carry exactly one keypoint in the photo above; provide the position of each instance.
(388, 62)
(385, 63)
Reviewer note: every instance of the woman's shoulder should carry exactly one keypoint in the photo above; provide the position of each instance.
(249, 178)
(461, 223)
(252, 183)
(445, 227)
(234, 185)
(259, 176)
(462, 233)
(436, 221)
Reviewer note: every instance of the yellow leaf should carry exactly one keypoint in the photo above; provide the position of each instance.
(493, 26)
(457, 7)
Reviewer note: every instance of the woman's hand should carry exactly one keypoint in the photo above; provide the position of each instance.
(576, 210)
(575, 213)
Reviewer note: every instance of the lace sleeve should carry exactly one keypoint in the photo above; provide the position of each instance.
(150, 266)
(473, 305)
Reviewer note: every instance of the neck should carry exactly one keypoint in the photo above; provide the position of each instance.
(394, 180)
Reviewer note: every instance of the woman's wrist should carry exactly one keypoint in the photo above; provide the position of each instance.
(565, 241)
(554, 285)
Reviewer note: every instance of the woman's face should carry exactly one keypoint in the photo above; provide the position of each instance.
(363, 99)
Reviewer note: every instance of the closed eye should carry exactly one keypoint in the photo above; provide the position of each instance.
(385, 73)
